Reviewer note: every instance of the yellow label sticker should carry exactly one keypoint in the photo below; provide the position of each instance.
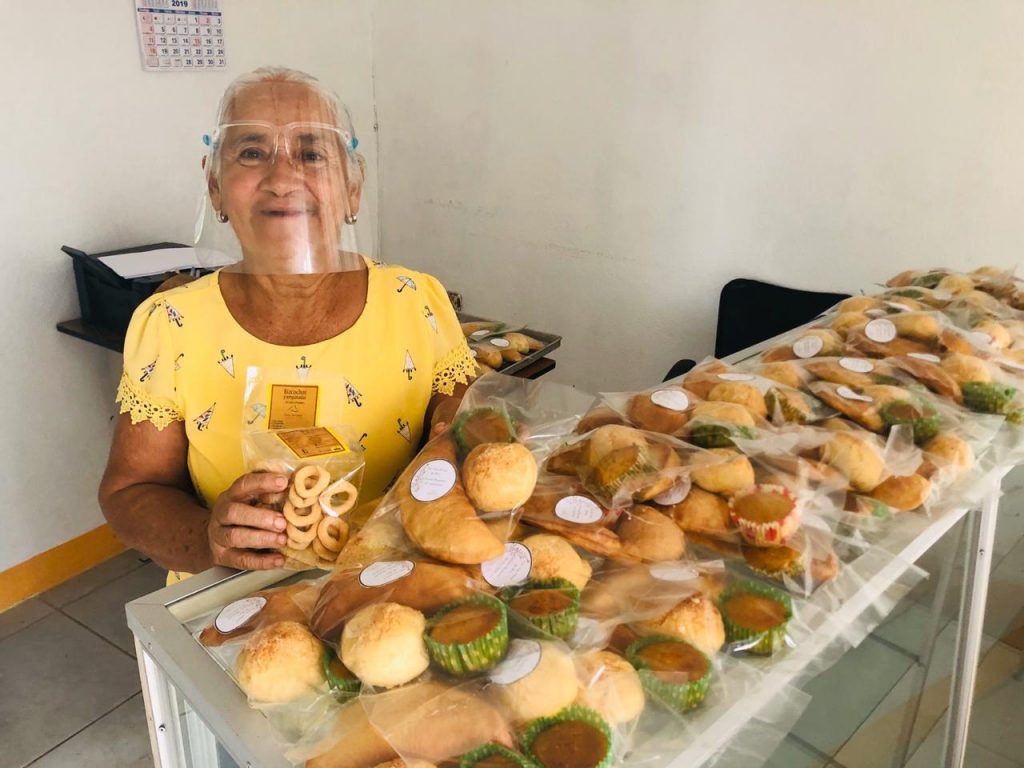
(292, 406)
(311, 442)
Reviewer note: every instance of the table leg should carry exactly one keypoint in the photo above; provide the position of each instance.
(978, 565)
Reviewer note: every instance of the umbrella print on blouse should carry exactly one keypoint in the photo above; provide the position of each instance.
(352, 394)
(259, 412)
(227, 362)
(202, 421)
(303, 369)
(147, 371)
(409, 366)
(406, 282)
(154, 307)
(177, 361)
(174, 315)
(403, 430)
(359, 442)
(431, 318)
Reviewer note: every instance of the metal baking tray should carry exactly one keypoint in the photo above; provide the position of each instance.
(551, 342)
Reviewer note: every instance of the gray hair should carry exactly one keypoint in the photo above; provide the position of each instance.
(354, 165)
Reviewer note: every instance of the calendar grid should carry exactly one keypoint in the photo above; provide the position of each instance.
(180, 35)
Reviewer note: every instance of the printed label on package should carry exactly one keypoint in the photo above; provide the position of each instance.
(857, 364)
(292, 406)
(312, 442)
(513, 567)
(808, 346)
(880, 330)
(234, 615)
(433, 480)
(385, 572)
(849, 394)
(500, 343)
(673, 399)
(578, 509)
(523, 657)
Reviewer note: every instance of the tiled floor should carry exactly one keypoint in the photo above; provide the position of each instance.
(71, 689)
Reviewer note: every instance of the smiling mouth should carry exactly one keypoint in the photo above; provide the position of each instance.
(283, 214)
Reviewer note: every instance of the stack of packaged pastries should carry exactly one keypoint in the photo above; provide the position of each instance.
(557, 589)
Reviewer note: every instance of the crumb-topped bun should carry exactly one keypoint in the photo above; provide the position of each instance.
(383, 645)
(695, 619)
(499, 476)
(545, 690)
(650, 535)
(856, 458)
(733, 472)
(555, 558)
(281, 662)
(702, 512)
(610, 686)
(741, 393)
(729, 413)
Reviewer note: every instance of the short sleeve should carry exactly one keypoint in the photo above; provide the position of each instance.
(147, 389)
(453, 360)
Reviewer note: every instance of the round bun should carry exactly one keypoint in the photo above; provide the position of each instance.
(856, 458)
(650, 535)
(555, 558)
(965, 368)
(741, 393)
(281, 662)
(499, 476)
(647, 414)
(612, 437)
(846, 322)
(610, 685)
(730, 413)
(383, 645)
(786, 374)
(696, 620)
(550, 687)
(950, 450)
(903, 493)
(702, 512)
(733, 474)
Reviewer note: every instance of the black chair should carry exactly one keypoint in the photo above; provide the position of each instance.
(750, 312)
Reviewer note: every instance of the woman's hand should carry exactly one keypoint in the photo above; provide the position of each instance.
(238, 529)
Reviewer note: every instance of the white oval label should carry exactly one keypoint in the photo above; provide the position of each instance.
(673, 399)
(875, 312)
(500, 343)
(511, 568)
(980, 338)
(479, 334)
(235, 614)
(897, 306)
(523, 657)
(808, 346)
(926, 356)
(857, 364)
(680, 490)
(735, 377)
(578, 509)
(673, 572)
(849, 394)
(433, 480)
(385, 572)
(880, 330)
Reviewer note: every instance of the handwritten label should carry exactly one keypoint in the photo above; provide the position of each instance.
(523, 657)
(433, 480)
(234, 615)
(385, 572)
(883, 331)
(680, 490)
(673, 399)
(849, 394)
(980, 338)
(578, 509)
(513, 567)
(808, 346)
(857, 364)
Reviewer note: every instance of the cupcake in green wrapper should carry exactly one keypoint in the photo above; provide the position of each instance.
(551, 605)
(482, 425)
(672, 670)
(339, 678)
(577, 737)
(468, 635)
(494, 756)
(711, 435)
(755, 616)
(922, 418)
(616, 468)
(988, 397)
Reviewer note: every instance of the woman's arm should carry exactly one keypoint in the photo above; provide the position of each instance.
(147, 497)
(441, 410)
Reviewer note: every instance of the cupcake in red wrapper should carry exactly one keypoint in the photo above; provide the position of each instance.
(766, 515)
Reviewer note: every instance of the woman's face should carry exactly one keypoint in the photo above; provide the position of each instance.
(281, 178)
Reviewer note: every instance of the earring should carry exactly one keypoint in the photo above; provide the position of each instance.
(222, 217)
(350, 218)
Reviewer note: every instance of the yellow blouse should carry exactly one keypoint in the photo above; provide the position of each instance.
(186, 359)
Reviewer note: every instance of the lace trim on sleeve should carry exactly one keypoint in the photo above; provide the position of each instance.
(142, 407)
(457, 367)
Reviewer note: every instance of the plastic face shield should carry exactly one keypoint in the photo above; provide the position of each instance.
(289, 192)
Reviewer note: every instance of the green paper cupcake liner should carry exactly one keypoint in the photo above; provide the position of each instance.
(780, 401)
(681, 697)
(707, 435)
(988, 397)
(573, 712)
(471, 759)
(640, 467)
(794, 568)
(767, 641)
(925, 427)
(560, 624)
(466, 441)
(478, 655)
(342, 686)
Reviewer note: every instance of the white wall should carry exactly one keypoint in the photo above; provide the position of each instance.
(98, 154)
(601, 168)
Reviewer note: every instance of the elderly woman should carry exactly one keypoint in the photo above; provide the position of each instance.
(384, 342)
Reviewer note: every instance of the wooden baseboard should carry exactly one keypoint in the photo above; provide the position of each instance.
(55, 566)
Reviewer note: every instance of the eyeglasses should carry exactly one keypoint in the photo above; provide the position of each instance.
(255, 144)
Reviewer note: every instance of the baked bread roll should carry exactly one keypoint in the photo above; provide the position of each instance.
(647, 414)
(864, 412)
(948, 450)
(787, 374)
(598, 417)
(701, 512)
(903, 493)
(741, 393)
(292, 603)
(695, 619)
(499, 477)
(281, 662)
(702, 379)
(859, 304)
(382, 644)
(965, 368)
(1001, 338)
(729, 413)
(544, 691)
(955, 284)
(733, 474)
(610, 438)
(831, 370)
(353, 742)
(555, 558)
(932, 375)
(916, 325)
(856, 458)
(847, 322)
(651, 536)
(610, 686)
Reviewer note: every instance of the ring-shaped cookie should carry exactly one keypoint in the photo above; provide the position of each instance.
(332, 533)
(301, 535)
(341, 487)
(322, 552)
(297, 545)
(302, 516)
(320, 477)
